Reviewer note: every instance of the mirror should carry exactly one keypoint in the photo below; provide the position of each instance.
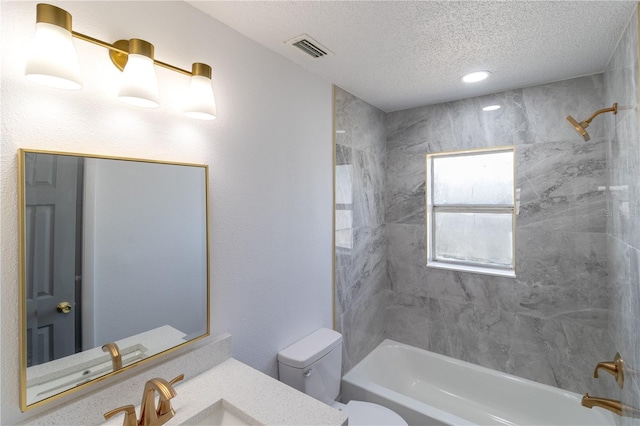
(113, 250)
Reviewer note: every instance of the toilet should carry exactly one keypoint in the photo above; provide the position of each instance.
(313, 366)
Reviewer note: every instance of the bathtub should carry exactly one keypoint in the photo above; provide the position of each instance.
(426, 388)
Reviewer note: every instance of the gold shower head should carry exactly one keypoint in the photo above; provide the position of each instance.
(580, 127)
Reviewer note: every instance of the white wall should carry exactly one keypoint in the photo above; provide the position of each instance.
(269, 152)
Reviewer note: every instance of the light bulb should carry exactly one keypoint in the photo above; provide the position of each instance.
(201, 102)
(139, 85)
(53, 60)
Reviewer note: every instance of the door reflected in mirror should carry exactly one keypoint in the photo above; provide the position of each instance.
(113, 250)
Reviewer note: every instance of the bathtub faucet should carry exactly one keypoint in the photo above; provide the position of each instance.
(611, 405)
(615, 368)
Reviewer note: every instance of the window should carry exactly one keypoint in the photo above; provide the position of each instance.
(470, 211)
(344, 206)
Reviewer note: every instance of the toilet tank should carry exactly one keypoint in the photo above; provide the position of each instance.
(312, 365)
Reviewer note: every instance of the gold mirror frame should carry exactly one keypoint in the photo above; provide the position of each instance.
(24, 406)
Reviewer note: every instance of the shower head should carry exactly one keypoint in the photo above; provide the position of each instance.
(581, 127)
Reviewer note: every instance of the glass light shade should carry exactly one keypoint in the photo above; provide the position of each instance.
(139, 85)
(201, 103)
(53, 60)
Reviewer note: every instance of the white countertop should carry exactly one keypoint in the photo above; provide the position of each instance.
(259, 396)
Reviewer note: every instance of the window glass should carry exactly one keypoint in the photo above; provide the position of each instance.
(470, 211)
(344, 231)
(344, 206)
(474, 238)
(473, 179)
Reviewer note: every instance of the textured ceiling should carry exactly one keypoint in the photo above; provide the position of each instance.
(401, 54)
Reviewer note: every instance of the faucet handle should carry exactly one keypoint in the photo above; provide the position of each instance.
(164, 404)
(176, 379)
(129, 415)
(615, 368)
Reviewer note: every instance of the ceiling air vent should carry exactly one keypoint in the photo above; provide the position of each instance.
(309, 46)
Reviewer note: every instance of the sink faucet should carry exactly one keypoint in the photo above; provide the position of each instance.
(149, 415)
(611, 405)
(114, 351)
(164, 405)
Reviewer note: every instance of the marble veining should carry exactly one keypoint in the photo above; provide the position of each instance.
(523, 326)
(623, 210)
(561, 246)
(361, 266)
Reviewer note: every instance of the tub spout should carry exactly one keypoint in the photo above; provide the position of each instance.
(608, 404)
(611, 405)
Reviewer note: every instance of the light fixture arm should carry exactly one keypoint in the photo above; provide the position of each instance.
(120, 48)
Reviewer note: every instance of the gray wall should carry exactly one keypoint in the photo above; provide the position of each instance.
(550, 323)
(623, 208)
(361, 271)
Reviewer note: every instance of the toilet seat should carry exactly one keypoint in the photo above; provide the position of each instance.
(362, 413)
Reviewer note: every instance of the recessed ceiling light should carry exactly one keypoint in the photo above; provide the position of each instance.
(474, 77)
(491, 108)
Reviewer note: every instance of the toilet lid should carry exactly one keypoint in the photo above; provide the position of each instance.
(366, 413)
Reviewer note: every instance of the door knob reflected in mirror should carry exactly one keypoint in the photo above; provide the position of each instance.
(64, 307)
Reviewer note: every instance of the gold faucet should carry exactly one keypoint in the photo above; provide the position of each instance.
(611, 405)
(149, 415)
(114, 351)
(164, 405)
(615, 368)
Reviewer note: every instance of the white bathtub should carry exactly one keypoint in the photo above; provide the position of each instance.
(431, 389)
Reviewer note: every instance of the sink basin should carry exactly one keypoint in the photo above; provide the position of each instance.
(222, 412)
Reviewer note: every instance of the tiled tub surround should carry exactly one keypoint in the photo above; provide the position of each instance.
(361, 270)
(550, 323)
(576, 298)
(623, 209)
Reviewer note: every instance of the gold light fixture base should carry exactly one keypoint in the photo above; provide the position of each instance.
(53, 15)
(119, 59)
(201, 69)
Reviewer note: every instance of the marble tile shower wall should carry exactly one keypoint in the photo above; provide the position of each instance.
(623, 209)
(361, 263)
(550, 323)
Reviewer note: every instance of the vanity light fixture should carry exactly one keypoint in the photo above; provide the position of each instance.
(475, 77)
(53, 62)
(139, 84)
(491, 107)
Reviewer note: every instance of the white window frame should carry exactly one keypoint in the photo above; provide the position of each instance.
(431, 208)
